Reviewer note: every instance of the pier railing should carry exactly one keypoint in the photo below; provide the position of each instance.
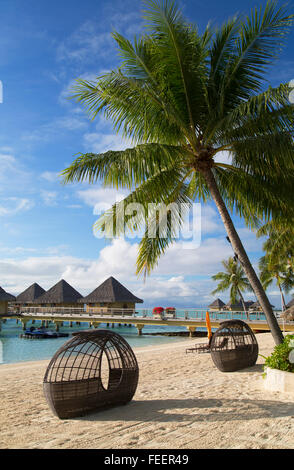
(71, 311)
(189, 314)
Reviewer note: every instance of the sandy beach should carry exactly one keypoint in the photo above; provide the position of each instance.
(182, 402)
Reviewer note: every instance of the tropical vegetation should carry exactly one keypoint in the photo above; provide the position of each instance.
(276, 270)
(233, 279)
(183, 97)
(279, 359)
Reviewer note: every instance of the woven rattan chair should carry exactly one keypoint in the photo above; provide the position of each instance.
(234, 346)
(94, 370)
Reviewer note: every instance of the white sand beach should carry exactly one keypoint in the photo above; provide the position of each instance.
(182, 402)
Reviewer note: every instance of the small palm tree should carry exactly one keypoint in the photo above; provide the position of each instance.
(276, 271)
(279, 246)
(183, 97)
(233, 279)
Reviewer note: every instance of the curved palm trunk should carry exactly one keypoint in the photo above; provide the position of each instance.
(282, 295)
(243, 303)
(242, 255)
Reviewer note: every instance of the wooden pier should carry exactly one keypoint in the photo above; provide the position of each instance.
(58, 316)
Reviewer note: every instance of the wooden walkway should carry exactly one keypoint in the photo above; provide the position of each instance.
(139, 322)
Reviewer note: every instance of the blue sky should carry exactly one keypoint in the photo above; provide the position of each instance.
(46, 228)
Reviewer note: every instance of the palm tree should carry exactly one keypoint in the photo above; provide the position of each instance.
(279, 245)
(183, 97)
(233, 278)
(277, 271)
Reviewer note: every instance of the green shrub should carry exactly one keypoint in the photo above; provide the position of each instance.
(279, 359)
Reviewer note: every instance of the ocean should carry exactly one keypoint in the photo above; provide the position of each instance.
(15, 349)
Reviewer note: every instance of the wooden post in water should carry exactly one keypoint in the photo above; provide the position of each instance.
(139, 328)
(191, 329)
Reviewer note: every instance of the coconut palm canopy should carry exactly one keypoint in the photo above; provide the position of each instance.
(233, 279)
(183, 97)
(110, 291)
(5, 297)
(62, 292)
(30, 294)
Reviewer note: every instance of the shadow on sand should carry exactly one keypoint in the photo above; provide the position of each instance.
(192, 410)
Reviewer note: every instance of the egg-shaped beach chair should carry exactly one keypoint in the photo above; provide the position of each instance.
(233, 346)
(94, 370)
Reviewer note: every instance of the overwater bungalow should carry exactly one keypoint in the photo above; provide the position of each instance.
(28, 296)
(4, 299)
(238, 307)
(290, 304)
(216, 305)
(61, 294)
(256, 307)
(111, 297)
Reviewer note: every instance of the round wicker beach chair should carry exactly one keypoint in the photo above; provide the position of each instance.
(95, 369)
(233, 346)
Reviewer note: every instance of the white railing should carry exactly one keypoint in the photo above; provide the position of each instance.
(71, 311)
(189, 314)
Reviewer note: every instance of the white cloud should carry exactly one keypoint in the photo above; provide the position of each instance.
(85, 44)
(49, 197)
(101, 199)
(75, 206)
(210, 220)
(13, 175)
(223, 157)
(97, 142)
(50, 176)
(52, 129)
(182, 278)
(14, 205)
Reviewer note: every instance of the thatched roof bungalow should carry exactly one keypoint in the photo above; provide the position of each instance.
(216, 305)
(238, 307)
(256, 307)
(61, 294)
(290, 304)
(111, 294)
(4, 299)
(29, 295)
(289, 313)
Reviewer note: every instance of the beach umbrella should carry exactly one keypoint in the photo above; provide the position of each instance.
(208, 325)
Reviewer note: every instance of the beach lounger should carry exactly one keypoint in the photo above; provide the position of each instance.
(200, 347)
(205, 348)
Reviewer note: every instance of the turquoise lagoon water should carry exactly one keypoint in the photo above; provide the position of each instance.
(15, 349)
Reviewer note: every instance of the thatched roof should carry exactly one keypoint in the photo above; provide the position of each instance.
(110, 291)
(239, 305)
(288, 314)
(5, 297)
(218, 303)
(257, 305)
(61, 293)
(290, 304)
(30, 294)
